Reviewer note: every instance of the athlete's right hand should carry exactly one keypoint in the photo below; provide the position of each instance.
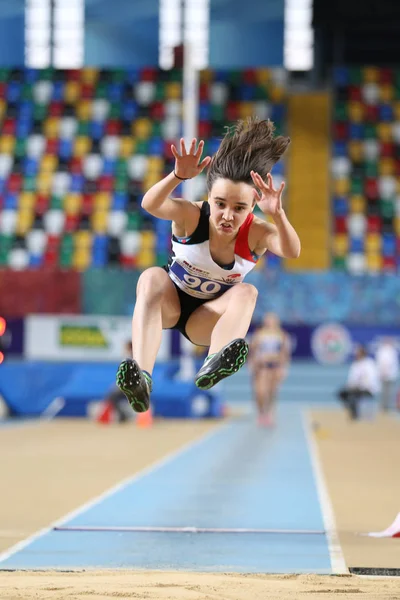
(187, 164)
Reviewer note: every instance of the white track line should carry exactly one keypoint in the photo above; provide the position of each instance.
(113, 490)
(190, 529)
(338, 563)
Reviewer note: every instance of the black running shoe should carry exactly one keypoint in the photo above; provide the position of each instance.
(222, 364)
(135, 384)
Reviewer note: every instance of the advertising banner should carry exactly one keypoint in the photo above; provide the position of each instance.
(70, 338)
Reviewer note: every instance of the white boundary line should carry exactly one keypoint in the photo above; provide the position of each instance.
(189, 529)
(338, 564)
(113, 490)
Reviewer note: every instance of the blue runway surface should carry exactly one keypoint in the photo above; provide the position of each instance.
(240, 476)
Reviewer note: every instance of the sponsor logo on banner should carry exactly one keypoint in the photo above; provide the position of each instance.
(331, 344)
(82, 338)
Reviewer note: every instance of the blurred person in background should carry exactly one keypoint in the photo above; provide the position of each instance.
(362, 382)
(387, 361)
(269, 360)
(215, 244)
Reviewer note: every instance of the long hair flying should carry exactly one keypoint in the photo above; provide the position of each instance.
(249, 145)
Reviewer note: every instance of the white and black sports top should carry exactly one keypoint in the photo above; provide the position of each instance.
(194, 271)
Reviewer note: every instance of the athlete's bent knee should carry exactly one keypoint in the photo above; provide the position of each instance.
(151, 284)
(246, 292)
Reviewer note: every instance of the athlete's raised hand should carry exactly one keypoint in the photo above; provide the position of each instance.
(270, 199)
(187, 163)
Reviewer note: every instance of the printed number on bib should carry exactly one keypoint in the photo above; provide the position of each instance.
(208, 287)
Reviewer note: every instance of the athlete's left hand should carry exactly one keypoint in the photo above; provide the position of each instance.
(268, 199)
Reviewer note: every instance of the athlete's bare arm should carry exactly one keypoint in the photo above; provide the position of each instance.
(187, 165)
(279, 237)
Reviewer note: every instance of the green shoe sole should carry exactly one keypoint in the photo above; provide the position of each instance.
(133, 384)
(227, 362)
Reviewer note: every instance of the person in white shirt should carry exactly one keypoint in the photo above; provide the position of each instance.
(388, 368)
(362, 381)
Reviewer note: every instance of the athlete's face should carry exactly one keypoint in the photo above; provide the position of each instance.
(230, 204)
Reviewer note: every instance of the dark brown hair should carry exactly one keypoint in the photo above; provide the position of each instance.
(249, 145)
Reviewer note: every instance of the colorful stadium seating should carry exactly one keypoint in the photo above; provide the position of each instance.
(78, 149)
(365, 169)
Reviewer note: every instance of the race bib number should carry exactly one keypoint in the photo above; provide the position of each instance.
(196, 285)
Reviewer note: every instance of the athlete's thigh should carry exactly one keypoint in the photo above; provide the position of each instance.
(202, 321)
(156, 282)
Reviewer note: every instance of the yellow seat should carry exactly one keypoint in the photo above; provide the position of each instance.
(48, 163)
(263, 76)
(102, 201)
(52, 127)
(89, 75)
(147, 240)
(246, 109)
(396, 107)
(82, 146)
(155, 164)
(373, 243)
(145, 259)
(25, 219)
(386, 92)
(356, 112)
(371, 74)
(386, 166)
(72, 91)
(98, 221)
(341, 186)
(3, 106)
(43, 182)
(374, 261)
(357, 204)
(27, 200)
(150, 179)
(141, 128)
(83, 239)
(127, 147)
(173, 90)
(277, 93)
(340, 244)
(72, 204)
(356, 150)
(385, 132)
(206, 76)
(81, 259)
(84, 110)
(7, 144)
(397, 226)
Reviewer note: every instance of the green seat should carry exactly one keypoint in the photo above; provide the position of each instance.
(101, 90)
(6, 242)
(118, 75)
(56, 203)
(67, 243)
(4, 75)
(83, 128)
(20, 147)
(339, 262)
(160, 91)
(157, 129)
(40, 112)
(356, 186)
(235, 77)
(356, 77)
(134, 221)
(27, 91)
(175, 75)
(340, 111)
(371, 169)
(29, 184)
(370, 132)
(121, 169)
(65, 258)
(47, 74)
(115, 110)
(142, 147)
(387, 209)
(262, 93)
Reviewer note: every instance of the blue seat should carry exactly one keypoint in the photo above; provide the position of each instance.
(356, 245)
(58, 91)
(35, 260)
(10, 201)
(341, 76)
(66, 148)
(119, 201)
(129, 110)
(77, 183)
(340, 206)
(30, 75)
(356, 131)
(13, 91)
(386, 112)
(204, 111)
(278, 112)
(96, 129)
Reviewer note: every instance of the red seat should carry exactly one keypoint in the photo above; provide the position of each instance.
(9, 126)
(340, 131)
(389, 263)
(355, 93)
(374, 224)
(71, 223)
(371, 188)
(204, 129)
(340, 225)
(52, 146)
(75, 165)
(105, 183)
(87, 91)
(386, 75)
(73, 74)
(387, 149)
(249, 77)
(50, 258)
(14, 183)
(87, 204)
(148, 74)
(56, 108)
(53, 243)
(113, 127)
(157, 111)
(42, 204)
(232, 111)
(204, 92)
(371, 113)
